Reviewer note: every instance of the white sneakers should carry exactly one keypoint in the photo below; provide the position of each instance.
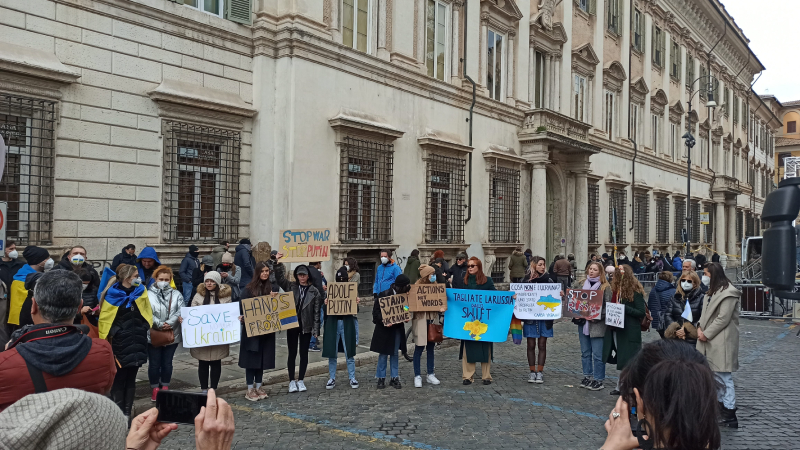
(301, 386)
(432, 379)
(292, 387)
(417, 382)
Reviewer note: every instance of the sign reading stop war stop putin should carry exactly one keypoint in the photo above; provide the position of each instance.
(305, 245)
(269, 314)
(427, 297)
(342, 298)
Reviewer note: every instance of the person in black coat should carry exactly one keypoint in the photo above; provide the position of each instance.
(126, 256)
(438, 268)
(199, 273)
(715, 257)
(257, 353)
(689, 288)
(75, 260)
(9, 266)
(387, 340)
(458, 271)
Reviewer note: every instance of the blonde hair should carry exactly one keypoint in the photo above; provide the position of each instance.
(603, 281)
(692, 276)
(125, 271)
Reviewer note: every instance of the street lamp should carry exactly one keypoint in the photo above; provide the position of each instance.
(710, 86)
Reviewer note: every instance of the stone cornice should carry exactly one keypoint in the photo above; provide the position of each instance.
(35, 63)
(350, 121)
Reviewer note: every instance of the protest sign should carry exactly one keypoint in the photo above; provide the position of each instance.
(342, 298)
(305, 245)
(537, 301)
(583, 304)
(427, 297)
(269, 314)
(394, 309)
(478, 315)
(207, 325)
(615, 315)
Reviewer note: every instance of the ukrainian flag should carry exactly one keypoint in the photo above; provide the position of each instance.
(18, 293)
(114, 299)
(287, 317)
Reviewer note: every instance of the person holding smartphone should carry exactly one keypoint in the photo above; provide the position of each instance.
(211, 292)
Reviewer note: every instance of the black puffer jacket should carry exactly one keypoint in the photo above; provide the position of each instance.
(695, 297)
(128, 336)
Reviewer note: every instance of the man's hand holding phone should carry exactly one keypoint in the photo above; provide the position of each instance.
(214, 427)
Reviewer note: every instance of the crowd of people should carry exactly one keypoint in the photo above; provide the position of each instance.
(68, 328)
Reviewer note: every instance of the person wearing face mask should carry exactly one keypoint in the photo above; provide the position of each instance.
(125, 318)
(146, 264)
(244, 260)
(419, 326)
(166, 304)
(75, 259)
(679, 322)
(231, 275)
(9, 264)
(38, 261)
(211, 292)
(386, 341)
(188, 265)
(385, 274)
(592, 332)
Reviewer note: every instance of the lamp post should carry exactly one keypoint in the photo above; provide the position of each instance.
(711, 84)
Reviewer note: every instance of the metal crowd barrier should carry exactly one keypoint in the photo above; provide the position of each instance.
(758, 300)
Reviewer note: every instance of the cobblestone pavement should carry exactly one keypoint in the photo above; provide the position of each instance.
(509, 413)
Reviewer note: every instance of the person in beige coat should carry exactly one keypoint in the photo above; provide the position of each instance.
(211, 292)
(718, 336)
(419, 326)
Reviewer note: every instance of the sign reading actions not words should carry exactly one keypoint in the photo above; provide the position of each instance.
(427, 297)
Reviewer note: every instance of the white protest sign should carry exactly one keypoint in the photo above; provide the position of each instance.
(615, 315)
(537, 301)
(207, 325)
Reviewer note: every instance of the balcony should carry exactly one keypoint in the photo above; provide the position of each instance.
(558, 131)
(725, 184)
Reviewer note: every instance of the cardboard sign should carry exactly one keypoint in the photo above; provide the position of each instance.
(342, 298)
(394, 309)
(537, 301)
(483, 316)
(583, 304)
(269, 314)
(305, 245)
(615, 315)
(427, 297)
(208, 325)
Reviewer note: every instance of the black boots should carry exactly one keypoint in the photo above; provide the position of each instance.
(728, 418)
(395, 382)
(381, 383)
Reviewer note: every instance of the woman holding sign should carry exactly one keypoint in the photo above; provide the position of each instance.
(341, 331)
(257, 353)
(386, 341)
(591, 333)
(211, 292)
(471, 351)
(419, 326)
(625, 341)
(537, 331)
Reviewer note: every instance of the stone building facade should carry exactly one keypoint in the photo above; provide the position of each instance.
(162, 122)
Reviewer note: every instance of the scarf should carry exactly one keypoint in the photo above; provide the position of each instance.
(117, 297)
(591, 284)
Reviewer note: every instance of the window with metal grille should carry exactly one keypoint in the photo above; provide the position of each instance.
(710, 227)
(694, 216)
(201, 183)
(444, 222)
(27, 125)
(641, 217)
(738, 225)
(617, 201)
(504, 205)
(750, 225)
(680, 219)
(365, 191)
(367, 271)
(499, 270)
(594, 213)
(662, 220)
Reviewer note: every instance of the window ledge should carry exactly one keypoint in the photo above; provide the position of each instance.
(178, 99)
(349, 120)
(35, 63)
(435, 139)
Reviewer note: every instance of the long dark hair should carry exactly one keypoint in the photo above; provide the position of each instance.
(354, 264)
(257, 286)
(719, 280)
(207, 299)
(678, 392)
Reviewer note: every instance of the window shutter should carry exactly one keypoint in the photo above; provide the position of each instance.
(592, 6)
(239, 11)
(653, 45)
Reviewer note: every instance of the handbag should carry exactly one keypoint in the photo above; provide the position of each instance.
(435, 332)
(647, 319)
(93, 332)
(161, 338)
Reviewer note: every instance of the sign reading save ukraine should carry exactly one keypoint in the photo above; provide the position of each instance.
(207, 325)
(482, 316)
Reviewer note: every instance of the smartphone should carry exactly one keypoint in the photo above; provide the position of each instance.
(179, 407)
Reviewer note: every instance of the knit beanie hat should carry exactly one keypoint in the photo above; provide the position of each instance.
(401, 281)
(208, 260)
(213, 276)
(35, 255)
(426, 271)
(227, 258)
(63, 419)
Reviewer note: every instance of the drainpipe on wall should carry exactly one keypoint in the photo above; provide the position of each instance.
(471, 107)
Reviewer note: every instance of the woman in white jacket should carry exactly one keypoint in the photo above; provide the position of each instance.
(166, 303)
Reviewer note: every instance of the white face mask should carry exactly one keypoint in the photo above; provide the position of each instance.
(623, 257)
(77, 260)
(49, 264)
(85, 286)
(687, 286)
(706, 280)
(433, 278)
(162, 284)
(13, 254)
(347, 268)
(136, 281)
(384, 260)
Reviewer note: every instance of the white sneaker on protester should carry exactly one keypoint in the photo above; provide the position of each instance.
(292, 387)
(532, 377)
(331, 384)
(432, 379)
(539, 378)
(418, 381)
(301, 386)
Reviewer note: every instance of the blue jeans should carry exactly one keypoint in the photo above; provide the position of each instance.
(395, 361)
(725, 392)
(592, 356)
(351, 359)
(418, 357)
(187, 293)
(160, 369)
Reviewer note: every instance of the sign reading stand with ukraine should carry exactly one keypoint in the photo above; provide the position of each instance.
(269, 314)
(482, 316)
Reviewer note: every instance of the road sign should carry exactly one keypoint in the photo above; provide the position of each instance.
(704, 218)
(3, 210)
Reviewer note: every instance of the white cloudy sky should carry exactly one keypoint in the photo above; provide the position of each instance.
(771, 26)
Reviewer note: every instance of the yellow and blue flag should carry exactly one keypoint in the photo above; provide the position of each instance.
(116, 298)
(17, 293)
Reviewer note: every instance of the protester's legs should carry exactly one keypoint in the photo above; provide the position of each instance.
(597, 356)
(119, 389)
(532, 354)
(305, 340)
(394, 358)
(167, 354)
(417, 357)
(350, 359)
(130, 389)
(216, 372)
(202, 373)
(542, 341)
(467, 368)
(249, 377)
(486, 368)
(154, 369)
(380, 371)
(586, 353)
(292, 336)
(431, 368)
(725, 392)
(187, 292)
(332, 368)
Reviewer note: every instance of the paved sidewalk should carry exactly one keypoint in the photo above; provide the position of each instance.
(510, 413)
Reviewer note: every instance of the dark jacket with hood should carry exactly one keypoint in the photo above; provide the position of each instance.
(68, 361)
(123, 258)
(89, 295)
(245, 261)
(147, 274)
(517, 264)
(658, 302)
(315, 278)
(412, 269)
(383, 337)
(8, 269)
(457, 274)
(188, 265)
